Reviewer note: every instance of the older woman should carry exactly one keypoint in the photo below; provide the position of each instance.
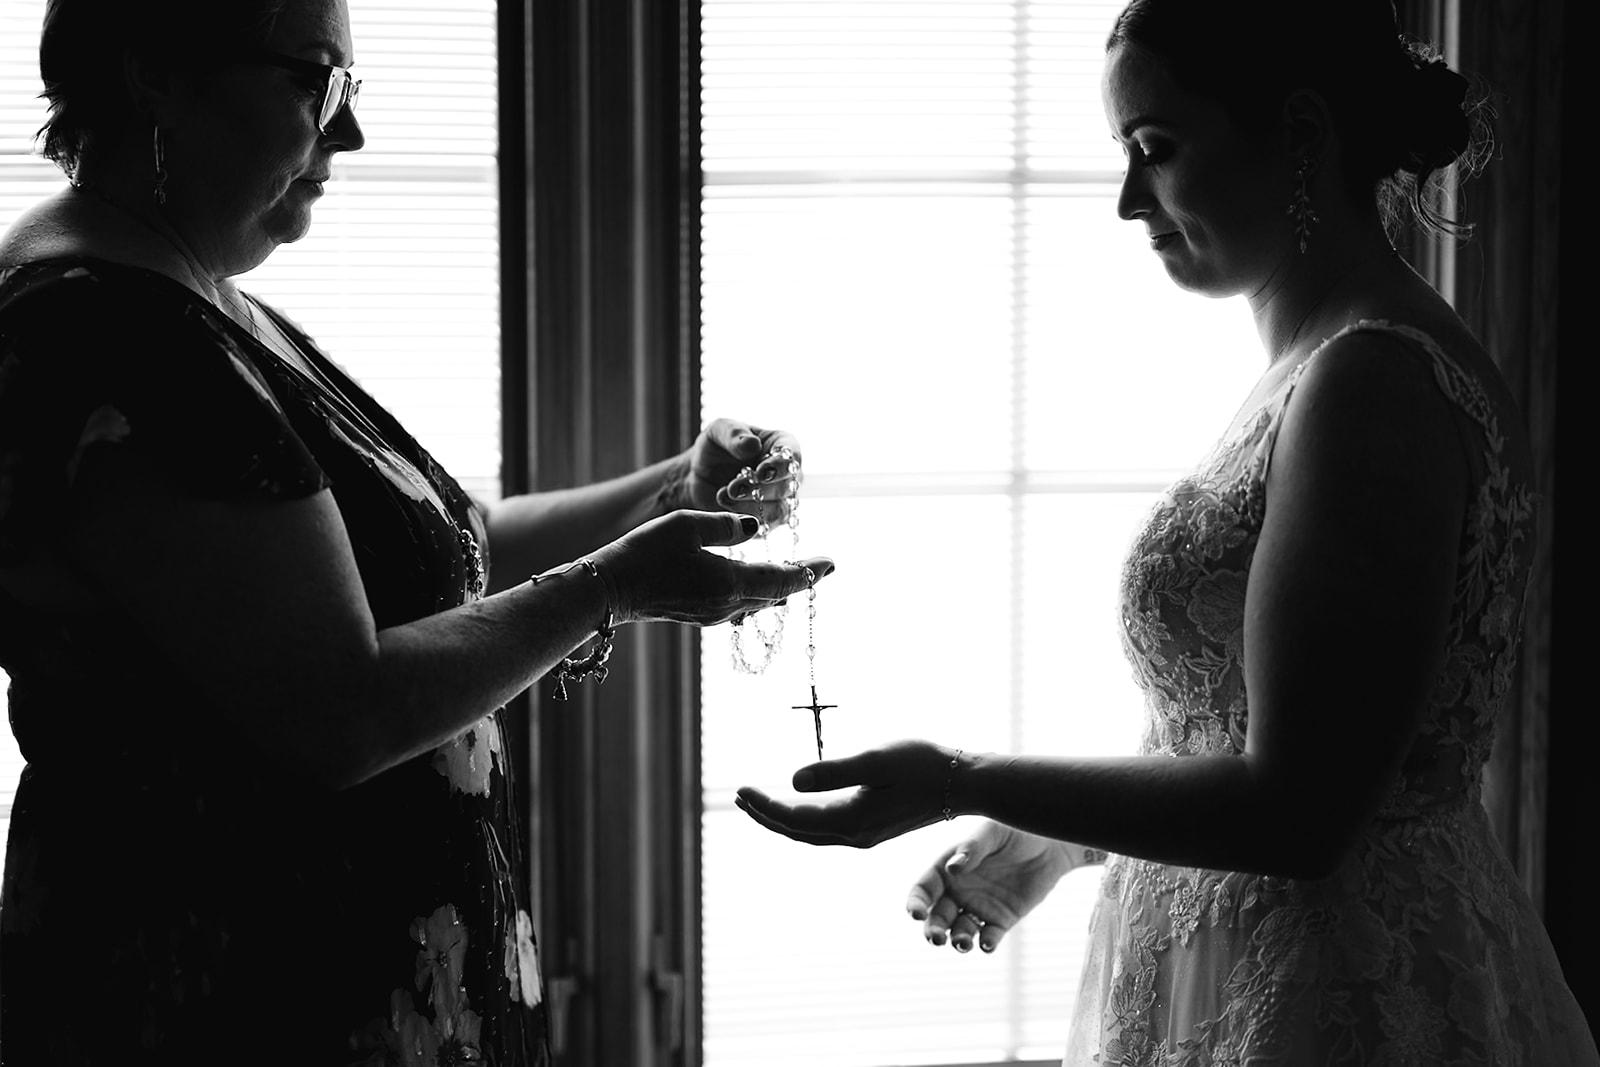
(257, 650)
(1323, 615)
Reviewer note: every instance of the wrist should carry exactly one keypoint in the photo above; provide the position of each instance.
(957, 794)
(593, 664)
(1084, 855)
(593, 580)
(672, 494)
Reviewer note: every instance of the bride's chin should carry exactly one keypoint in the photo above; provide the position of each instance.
(1190, 279)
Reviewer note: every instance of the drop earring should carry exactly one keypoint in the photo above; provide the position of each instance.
(1300, 205)
(159, 192)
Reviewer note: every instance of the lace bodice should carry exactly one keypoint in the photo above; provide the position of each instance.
(1422, 948)
(1183, 597)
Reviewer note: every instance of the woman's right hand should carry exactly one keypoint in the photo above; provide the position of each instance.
(981, 887)
(661, 571)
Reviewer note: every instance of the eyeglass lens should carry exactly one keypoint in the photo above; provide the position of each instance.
(342, 93)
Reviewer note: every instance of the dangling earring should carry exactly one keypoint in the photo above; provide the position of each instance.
(160, 190)
(1300, 205)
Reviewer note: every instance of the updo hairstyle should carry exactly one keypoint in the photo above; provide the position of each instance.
(85, 42)
(1402, 113)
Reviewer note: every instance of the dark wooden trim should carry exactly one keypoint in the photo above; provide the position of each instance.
(686, 790)
(1574, 788)
(515, 407)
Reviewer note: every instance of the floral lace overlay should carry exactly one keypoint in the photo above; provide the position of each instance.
(1422, 948)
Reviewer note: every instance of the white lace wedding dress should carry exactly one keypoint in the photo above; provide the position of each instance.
(1422, 948)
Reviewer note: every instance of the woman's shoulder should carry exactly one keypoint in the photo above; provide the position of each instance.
(1411, 393)
(66, 240)
(1433, 359)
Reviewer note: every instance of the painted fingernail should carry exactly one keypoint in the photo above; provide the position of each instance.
(919, 915)
(936, 939)
(749, 523)
(963, 945)
(986, 946)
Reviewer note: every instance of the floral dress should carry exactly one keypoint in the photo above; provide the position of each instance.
(172, 896)
(1422, 948)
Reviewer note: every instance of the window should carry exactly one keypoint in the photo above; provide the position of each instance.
(399, 278)
(911, 256)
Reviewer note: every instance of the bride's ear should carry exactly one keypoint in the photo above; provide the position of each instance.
(1307, 124)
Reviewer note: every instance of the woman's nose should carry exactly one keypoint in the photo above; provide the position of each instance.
(345, 131)
(1133, 198)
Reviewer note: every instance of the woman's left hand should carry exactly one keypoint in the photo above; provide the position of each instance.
(901, 787)
(713, 473)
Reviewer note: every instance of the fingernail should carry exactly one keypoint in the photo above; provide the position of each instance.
(937, 939)
(804, 780)
(749, 523)
(986, 946)
(918, 914)
(963, 946)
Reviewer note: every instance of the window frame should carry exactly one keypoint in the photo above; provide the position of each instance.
(600, 201)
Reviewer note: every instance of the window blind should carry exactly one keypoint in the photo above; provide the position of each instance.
(399, 277)
(911, 257)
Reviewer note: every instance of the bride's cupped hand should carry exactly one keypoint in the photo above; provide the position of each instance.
(898, 788)
(982, 886)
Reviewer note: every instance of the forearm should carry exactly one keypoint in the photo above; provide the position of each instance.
(1213, 812)
(535, 531)
(431, 679)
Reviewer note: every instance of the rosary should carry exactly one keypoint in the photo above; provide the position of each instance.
(814, 707)
(771, 634)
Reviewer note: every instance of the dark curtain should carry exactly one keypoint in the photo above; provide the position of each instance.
(1519, 285)
(600, 201)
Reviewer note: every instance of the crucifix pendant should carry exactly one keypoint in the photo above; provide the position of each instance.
(816, 710)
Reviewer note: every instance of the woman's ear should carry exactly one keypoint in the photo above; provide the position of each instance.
(152, 87)
(1307, 124)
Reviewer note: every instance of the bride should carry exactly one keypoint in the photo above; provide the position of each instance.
(1323, 615)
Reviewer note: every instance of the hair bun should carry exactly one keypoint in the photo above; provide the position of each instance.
(1438, 130)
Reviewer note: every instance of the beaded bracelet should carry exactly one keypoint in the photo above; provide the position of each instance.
(949, 783)
(593, 665)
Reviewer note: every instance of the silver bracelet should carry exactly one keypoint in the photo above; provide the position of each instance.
(949, 782)
(592, 665)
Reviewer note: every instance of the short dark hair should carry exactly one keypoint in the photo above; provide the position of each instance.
(85, 42)
(1403, 114)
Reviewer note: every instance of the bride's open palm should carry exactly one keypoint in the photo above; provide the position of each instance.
(981, 887)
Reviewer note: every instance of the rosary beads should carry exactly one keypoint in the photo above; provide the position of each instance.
(766, 626)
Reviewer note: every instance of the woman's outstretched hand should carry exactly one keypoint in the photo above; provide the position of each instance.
(713, 470)
(661, 571)
(901, 787)
(981, 887)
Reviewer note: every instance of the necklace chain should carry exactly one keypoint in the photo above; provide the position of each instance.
(1322, 299)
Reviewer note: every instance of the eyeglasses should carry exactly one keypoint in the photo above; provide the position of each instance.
(340, 89)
